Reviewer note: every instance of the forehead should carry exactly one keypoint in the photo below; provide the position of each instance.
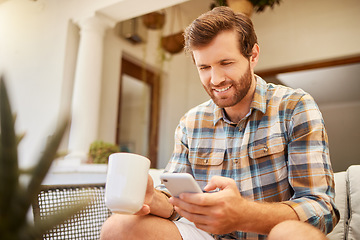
(224, 46)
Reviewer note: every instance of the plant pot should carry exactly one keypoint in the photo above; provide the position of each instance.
(173, 43)
(154, 20)
(241, 6)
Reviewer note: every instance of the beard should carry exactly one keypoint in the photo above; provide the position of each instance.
(241, 87)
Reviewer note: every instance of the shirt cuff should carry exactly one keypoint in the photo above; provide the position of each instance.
(303, 212)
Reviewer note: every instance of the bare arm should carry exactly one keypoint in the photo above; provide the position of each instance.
(156, 202)
(226, 211)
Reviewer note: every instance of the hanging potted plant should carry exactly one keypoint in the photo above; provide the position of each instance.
(154, 20)
(246, 6)
(174, 43)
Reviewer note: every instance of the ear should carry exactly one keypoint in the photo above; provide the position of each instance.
(254, 58)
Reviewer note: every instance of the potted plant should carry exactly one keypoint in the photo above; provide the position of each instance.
(17, 196)
(246, 6)
(174, 43)
(100, 151)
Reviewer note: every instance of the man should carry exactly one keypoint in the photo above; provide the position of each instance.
(264, 147)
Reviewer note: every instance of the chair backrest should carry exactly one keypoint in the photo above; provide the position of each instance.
(347, 200)
(86, 224)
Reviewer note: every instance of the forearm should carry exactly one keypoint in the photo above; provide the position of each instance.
(262, 217)
(160, 205)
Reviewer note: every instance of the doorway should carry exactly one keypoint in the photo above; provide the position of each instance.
(138, 111)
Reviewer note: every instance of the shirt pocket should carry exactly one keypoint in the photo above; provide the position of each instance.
(266, 147)
(207, 152)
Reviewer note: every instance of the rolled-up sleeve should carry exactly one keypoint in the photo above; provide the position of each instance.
(309, 167)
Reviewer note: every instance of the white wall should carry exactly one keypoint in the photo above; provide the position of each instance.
(32, 50)
(341, 122)
(298, 32)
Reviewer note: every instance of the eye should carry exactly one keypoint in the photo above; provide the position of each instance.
(204, 67)
(226, 63)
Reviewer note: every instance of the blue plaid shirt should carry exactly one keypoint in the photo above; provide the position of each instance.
(277, 153)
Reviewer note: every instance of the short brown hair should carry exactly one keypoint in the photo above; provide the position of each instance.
(206, 27)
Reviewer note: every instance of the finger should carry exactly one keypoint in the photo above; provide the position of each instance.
(211, 186)
(145, 210)
(192, 217)
(188, 207)
(201, 199)
(220, 182)
(150, 183)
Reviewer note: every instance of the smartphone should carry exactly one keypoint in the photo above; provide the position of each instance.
(178, 183)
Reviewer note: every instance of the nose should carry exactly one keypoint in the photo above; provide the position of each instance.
(217, 76)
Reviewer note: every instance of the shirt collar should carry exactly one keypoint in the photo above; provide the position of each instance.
(258, 102)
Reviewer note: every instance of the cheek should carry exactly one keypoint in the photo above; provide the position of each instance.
(233, 73)
(205, 77)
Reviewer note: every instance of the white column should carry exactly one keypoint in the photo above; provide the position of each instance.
(87, 87)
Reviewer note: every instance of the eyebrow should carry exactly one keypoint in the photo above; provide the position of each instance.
(202, 65)
(226, 59)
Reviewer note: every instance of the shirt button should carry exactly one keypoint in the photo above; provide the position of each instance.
(206, 161)
(265, 149)
(236, 161)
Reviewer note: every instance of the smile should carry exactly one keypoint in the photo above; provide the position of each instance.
(222, 89)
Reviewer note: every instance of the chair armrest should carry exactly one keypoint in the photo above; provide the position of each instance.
(353, 177)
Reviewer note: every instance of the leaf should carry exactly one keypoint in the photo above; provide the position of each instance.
(42, 226)
(41, 169)
(19, 137)
(9, 175)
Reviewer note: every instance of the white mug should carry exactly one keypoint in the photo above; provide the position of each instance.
(126, 182)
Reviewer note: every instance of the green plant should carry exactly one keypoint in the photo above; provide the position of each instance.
(259, 5)
(100, 151)
(16, 196)
(218, 3)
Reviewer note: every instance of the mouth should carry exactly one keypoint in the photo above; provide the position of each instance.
(222, 89)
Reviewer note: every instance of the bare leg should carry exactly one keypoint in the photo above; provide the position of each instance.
(131, 227)
(295, 230)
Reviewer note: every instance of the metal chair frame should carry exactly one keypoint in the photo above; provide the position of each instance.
(84, 225)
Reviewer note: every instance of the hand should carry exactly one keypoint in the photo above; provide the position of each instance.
(220, 212)
(149, 195)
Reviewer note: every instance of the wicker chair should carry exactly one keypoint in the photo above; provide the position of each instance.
(86, 224)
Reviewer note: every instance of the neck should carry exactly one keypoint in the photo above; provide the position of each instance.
(237, 112)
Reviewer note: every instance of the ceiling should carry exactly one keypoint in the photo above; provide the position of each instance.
(127, 9)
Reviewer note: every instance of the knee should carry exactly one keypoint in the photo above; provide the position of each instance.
(117, 227)
(295, 230)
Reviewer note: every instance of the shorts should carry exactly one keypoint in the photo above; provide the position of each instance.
(189, 231)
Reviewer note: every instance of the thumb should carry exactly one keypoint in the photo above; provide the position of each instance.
(145, 210)
(219, 182)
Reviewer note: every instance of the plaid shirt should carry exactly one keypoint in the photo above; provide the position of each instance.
(277, 153)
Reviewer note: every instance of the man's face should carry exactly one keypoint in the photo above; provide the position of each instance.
(224, 72)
